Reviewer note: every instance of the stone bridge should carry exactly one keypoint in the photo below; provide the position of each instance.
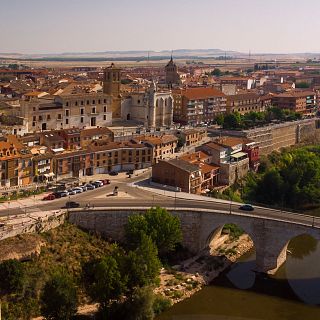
(201, 226)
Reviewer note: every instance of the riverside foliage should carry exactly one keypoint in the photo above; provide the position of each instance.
(288, 179)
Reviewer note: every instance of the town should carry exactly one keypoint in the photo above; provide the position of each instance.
(200, 128)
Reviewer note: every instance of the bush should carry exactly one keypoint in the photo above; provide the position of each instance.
(12, 275)
(59, 298)
(161, 304)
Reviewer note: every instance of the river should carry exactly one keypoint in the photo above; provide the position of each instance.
(239, 293)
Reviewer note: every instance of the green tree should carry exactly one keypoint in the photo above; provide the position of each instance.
(220, 119)
(216, 72)
(12, 275)
(163, 228)
(232, 121)
(59, 298)
(107, 281)
(143, 264)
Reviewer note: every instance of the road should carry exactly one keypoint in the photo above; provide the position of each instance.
(130, 197)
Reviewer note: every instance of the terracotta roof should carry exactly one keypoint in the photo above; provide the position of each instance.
(202, 93)
(229, 141)
(295, 94)
(94, 131)
(184, 165)
(195, 157)
(242, 96)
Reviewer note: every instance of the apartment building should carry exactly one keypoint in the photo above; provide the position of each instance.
(192, 136)
(244, 83)
(244, 103)
(303, 102)
(163, 146)
(198, 105)
(15, 163)
(118, 156)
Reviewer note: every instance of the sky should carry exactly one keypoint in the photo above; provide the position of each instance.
(259, 26)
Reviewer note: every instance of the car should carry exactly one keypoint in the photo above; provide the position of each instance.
(49, 197)
(64, 193)
(129, 172)
(90, 186)
(100, 182)
(78, 190)
(57, 194)
(113, 173)
(84, 188)
(72, 204)
(71, 192)
(246, 207)
(97, 184)
(106, 181)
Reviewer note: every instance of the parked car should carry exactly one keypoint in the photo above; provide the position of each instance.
(99, 182)
(78, 190)
(49, 197)
(96, 184)
(64, 193)
(84, 188)
(113, 173)
(72, 204)
(71, 192)
(57, 194)
(246, 207)
(90, 186)
(129, 172)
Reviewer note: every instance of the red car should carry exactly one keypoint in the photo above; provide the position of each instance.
(106, 181)
(49, 197)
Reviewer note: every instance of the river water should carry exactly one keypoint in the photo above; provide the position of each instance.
(239, 293)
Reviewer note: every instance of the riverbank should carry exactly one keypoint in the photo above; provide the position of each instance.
(184, 280)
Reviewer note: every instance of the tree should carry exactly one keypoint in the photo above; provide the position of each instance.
(143, 264)
(59, 298)
(163, 228)
(220, 119)
(107, 281)
(138, 306)
(12, 275)
(216, 72)
(232, 121)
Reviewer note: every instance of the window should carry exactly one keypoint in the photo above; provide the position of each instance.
(48, 117)
(104, 117)
(33, 124)
(82, 111)
(67, 121)
(67, 113)
(104, 100)
(105, 109)
(93, 110)
(67, 104)
(81, 119)
(34, 108)
(59, 116)
(93, 101)
(81, 102)
(76, 103)
(88, 102)
(99, 101)
(34, 118)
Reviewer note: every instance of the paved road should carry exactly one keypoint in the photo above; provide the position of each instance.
(130, 197)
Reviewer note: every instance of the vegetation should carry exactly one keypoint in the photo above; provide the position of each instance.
(233, 230)
(76, 267)
(162, 227)
(59, 298)
(289, 179)
(236, 121)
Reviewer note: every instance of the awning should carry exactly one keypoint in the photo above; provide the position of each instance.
(239, 155)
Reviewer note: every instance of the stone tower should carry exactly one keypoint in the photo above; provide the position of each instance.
(111, 86)
(172, 75)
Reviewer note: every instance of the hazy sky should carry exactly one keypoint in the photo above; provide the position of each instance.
(42, 26)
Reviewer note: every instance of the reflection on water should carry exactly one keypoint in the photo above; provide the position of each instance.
(241, 294)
